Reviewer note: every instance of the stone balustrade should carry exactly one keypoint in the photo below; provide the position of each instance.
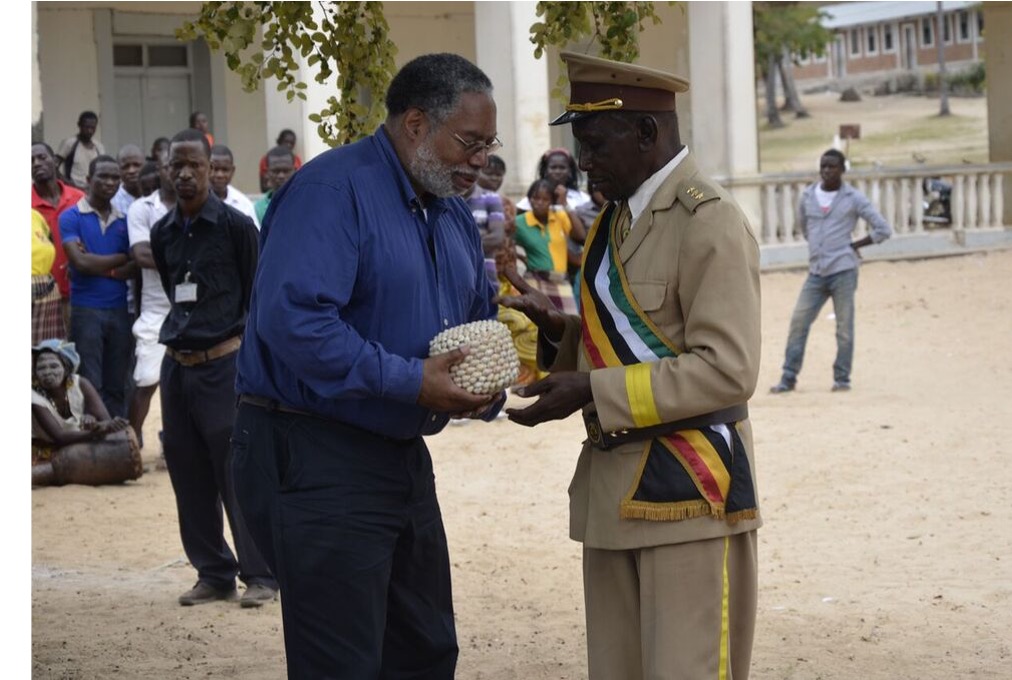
(977, 204)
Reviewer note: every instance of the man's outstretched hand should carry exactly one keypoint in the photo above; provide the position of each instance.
(559, 395)
(535, 305)
(439, 393)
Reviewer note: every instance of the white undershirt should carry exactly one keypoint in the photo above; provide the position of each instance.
(639, 201)
(825, 198)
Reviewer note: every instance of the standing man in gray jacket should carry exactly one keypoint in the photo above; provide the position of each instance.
(828, 212)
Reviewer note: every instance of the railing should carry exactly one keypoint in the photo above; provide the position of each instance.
(898, 193)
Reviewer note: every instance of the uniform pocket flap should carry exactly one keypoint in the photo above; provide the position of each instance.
(649, 295)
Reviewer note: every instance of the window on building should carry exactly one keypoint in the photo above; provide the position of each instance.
(980, 26)
(126, 54)
(964, 26)
(927, 32)
(947, 28)
(871, 36)
(887, 38)
(167, 55)
(855, 41)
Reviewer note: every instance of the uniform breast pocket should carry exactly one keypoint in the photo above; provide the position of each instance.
(649, 295)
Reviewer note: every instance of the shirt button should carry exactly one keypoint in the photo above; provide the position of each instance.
(446, 322)
(433, 418)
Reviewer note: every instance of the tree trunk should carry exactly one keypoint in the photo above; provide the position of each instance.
(943, 85)
(792, 100)
(772, 115)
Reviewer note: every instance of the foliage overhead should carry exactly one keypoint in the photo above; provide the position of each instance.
(262, 40)
(350, 40)
(790, 25)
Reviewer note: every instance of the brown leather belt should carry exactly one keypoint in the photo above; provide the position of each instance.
(608, 440)
(194, 357)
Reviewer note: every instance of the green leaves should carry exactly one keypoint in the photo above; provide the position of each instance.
(283, 41)
(347, 44)
(614, 26)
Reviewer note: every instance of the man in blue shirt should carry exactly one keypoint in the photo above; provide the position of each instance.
(827, 213)
(95, 240)
(366, 254)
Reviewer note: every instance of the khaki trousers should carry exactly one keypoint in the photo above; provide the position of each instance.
(672, 612)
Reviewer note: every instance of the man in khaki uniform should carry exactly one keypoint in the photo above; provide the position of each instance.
(662, 360)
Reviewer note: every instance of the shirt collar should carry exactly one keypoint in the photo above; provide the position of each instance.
(84, 207)
(37, 199)
(403, 181)
(208, 213)
(639, 201)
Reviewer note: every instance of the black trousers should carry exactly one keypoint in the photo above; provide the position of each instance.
(198, 411)
(350, 524)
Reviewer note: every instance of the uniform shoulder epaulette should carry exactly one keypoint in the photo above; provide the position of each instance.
(695, 191)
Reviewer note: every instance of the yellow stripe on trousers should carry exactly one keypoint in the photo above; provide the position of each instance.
(724, 627)
(641, 395)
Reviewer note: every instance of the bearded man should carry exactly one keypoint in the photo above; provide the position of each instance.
(366, 253)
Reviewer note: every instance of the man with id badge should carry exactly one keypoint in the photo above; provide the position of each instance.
(206, 254)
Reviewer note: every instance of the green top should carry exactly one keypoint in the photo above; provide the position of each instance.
(261, 205)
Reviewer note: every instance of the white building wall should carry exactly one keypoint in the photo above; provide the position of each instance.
(506, 55)
(68, 70)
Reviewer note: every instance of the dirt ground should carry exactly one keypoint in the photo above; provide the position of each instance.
(886, 551)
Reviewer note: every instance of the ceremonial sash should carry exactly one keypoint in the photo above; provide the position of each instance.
(685, 474)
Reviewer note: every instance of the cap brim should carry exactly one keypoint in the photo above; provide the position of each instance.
(571, 116)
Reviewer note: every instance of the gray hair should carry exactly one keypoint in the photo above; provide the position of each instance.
(434, 84)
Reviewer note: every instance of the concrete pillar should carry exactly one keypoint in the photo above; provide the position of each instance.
(506, 55)
(38, 131)
(998, 61)
(724, 135)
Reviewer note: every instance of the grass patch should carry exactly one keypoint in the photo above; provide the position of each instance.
(894, 129)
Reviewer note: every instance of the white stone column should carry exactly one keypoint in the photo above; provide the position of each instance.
(724, 137)
(506, 55)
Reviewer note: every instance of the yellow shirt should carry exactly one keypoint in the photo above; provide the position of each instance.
(545, 245)
(43, 250)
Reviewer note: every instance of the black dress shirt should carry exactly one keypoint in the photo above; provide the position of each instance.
(218, 250)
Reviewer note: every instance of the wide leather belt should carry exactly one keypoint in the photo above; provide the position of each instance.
(608, 440)
(194, 357)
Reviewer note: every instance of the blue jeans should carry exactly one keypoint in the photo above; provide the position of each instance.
(817, 289)
(105, 343)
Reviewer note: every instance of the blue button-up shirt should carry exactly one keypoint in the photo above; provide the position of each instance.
(354, 281)
(829, 234)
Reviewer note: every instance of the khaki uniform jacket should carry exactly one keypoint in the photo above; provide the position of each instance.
(693, 266)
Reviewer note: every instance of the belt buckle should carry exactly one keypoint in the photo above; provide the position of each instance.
(594, 432)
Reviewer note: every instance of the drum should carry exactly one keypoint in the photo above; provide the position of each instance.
(111, 460)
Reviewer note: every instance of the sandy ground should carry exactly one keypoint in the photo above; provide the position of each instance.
(886, 551)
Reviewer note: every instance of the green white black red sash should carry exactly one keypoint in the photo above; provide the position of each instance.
(685, 474)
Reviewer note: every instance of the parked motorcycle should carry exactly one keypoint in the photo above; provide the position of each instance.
(937, 201)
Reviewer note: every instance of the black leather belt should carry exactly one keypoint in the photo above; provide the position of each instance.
(272, 405)
(608, 440)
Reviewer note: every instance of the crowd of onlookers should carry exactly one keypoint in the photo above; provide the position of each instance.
(97, 297)
(97, 301)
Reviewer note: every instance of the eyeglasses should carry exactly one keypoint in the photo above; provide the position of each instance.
(476, 147)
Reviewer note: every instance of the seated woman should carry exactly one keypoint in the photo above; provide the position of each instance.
(543, 233)
(73, 438)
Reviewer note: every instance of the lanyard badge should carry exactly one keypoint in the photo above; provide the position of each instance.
(186, 291)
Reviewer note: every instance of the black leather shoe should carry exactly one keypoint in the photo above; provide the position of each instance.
(841, 387)
(256, 595)
(781, 387)
(202, 593)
